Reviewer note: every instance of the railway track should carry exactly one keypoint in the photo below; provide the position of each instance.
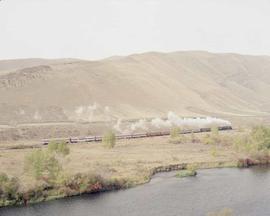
(131, 136)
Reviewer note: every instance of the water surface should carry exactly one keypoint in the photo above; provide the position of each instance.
(246, 191)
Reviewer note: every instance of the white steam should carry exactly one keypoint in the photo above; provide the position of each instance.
(159, 123)
(117, 126)
(141, 124)
(175, 120)
(172, 120)
(86, 113)
(95, 111)
(92, 112)
(129, 128)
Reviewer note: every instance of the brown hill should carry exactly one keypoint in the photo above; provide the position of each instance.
(191, 83)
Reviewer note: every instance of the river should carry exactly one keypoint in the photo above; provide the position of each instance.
(245, 191)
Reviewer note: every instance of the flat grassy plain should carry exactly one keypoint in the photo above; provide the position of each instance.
(130, 159)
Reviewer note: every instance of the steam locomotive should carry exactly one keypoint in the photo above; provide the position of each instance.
(133, 136)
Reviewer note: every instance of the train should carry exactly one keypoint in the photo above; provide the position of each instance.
(132, 136)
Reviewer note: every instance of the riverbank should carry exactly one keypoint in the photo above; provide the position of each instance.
(98, 184)
(210, 191)
(91, 168)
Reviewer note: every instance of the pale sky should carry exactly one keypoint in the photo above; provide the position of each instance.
(94, 29)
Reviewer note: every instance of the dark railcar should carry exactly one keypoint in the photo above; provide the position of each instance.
(132, 136)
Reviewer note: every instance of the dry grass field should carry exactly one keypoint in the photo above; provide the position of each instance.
(129, 159)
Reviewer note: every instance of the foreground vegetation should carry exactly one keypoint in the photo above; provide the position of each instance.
(255, 145)
(109, 139)
(191, 170)
(45, 166)
(61, 170)
(222, 212)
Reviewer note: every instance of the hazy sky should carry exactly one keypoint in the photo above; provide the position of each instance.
(93, 29)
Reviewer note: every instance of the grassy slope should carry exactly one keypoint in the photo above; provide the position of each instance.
(149, 84)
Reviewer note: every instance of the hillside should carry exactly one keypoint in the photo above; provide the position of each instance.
(191, 83)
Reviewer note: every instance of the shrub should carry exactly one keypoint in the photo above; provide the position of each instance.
(185, 173)
(242, 143)
(175, 132)
(53, 168)
(36, 193)
(84, 183)
(43, 164)
(256, 143)
(8, 187)
(176, 136)
(260, 136)
(109, 139)
(11, 188)
(59, 148)
(223, 212)
(213, 137)
(214, 131)
(3, 178)
(35, 163)
(189, 171)
(257, 140)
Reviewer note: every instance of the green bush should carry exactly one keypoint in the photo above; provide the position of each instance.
(257, 140)
(242, 143)
(256, 143)
(214, 131)
(213, 137)
(8, 187)
(35, 163)
(175, 132)
(109, 139)
(44, 164)
(189, 171)
(260, 136)
(59, 148)
(11, 188)
(185, 173)
(176, 136)
(3, 178)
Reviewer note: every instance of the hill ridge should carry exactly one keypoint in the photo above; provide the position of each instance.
(134, 86)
